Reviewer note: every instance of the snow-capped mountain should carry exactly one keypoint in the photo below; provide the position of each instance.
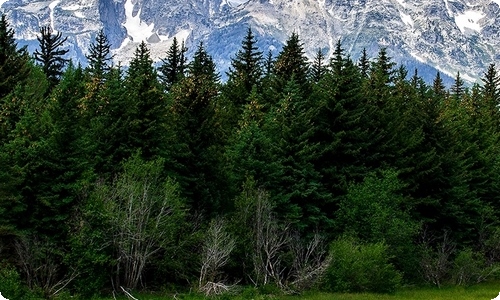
(448, 35)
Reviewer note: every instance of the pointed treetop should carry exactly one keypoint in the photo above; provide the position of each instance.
(292, 62)
(50, 55)
(318, 67)
(490, 88)
(99, 57)
(203, 65)
(458, 87)
(364, 63)
(246, 67)
(174, 65)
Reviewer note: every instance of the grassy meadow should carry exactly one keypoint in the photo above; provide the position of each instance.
(484, 291)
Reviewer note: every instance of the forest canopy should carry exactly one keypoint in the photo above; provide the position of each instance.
(328, 174)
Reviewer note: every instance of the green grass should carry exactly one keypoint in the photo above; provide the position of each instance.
(485, 291)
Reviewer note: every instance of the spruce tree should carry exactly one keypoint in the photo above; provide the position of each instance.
(300, 197)
(15, 68)
(458, 89)
(14, 61)
(50, 55)
(99, 57)
(194, 102)
(246, 69)
(292, 63)
(173, 66)
(364, 64)
(318, 67)
(490, 91)
(341, 127)
(438, 87)
(146, 106)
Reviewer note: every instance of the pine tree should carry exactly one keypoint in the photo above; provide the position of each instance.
(15, 68)
(342, 128)
(246, 70)
(249, 150)
(108, 127)
(48, 153)
(490, 91)
(99, 57)
(457, 89)
(203, 67)
(14, 61)
(299, 195)
(318, 67)
(173, 66)
(147, 106)
(292, 63)
(50, 55)
(269, 64)
(364, 64)
(438, 87)
(194, 103)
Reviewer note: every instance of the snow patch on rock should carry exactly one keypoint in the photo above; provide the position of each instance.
(136, 29)
(469, 19)
(406, 19)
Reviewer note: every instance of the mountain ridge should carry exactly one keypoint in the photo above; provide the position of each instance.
(450, 36)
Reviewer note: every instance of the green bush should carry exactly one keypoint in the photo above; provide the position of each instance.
(360, 268)
(11, 285)
(470, 267)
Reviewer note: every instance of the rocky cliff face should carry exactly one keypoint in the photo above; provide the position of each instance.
(448, 35)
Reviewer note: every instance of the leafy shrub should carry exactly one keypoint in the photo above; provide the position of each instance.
(360, 268)
(11, 285)
(376, 210)
(470, 267)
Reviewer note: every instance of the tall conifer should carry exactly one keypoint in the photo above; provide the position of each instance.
(50, 55)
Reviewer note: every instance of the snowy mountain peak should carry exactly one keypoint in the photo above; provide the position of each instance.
(446, 35)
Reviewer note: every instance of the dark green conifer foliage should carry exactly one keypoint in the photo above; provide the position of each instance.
(413, 155)
(50, 55)
(490, 93)
(438, 88)
(342, 127)
(14, 61)
(381, 108)
(269, 64)
(15, 68)
(299, 196)
(18, 134)
(292, 63)
(249, 150)
(318, 67)
(381, 74)
(245, 73)
(268, 82)
(174, 65)
(194, 103)
(108, 132)
(48, 153)
(364, 64)
(146, 106)
(99, 56)
(246, 67)
(457, 89)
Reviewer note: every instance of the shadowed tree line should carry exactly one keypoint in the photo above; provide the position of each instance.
(295, 174)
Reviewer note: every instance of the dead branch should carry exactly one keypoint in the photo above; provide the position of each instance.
(128, 294)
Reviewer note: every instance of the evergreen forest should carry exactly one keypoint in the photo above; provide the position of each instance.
(294, 174)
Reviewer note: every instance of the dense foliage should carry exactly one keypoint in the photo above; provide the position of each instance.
(293, 174)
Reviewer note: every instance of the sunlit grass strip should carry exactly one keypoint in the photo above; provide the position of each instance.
(485, 291)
